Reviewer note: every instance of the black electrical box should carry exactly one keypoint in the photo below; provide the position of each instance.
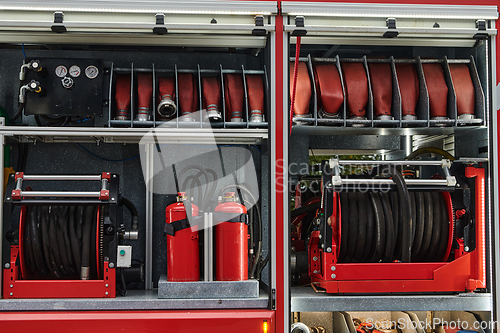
(69, 87)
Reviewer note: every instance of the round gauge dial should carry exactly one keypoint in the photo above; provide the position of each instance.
(91, 72)
(75, 71)
(61, 71)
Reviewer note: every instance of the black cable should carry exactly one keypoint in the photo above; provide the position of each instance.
(362, 222)
(133, 211)
(344, 232)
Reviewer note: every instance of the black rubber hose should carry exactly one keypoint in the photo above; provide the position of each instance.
(419, 224)
(397, 215)
(75, 242)
(436, 228)
(54, 241)
(133, 211)
(370, 226)
(61, 241)
(44, 218)
(18, 113)
(305, 210)
(353, 227)
(413, 216)
(389, 228)
(36, 240)
(86, 232)
(344, 220)
(405, 206)
(63, 222)
(362, 222)
(28, 251)
(379, 227)
(428, 223)
(443, 241)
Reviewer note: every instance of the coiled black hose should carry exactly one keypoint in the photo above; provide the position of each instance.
(57, 241)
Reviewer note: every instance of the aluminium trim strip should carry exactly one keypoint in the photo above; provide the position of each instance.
(165, 6)
(389, 10)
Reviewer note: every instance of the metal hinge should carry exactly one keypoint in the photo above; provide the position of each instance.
(259, 23)
(391, 28)
(273, 299)
(299, 23)
(481, 26)
(159, 27)
(58, 25)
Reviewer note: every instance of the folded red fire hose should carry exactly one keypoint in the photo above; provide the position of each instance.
(409, 88)
(328, 89)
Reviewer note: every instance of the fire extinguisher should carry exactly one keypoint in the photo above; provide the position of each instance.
(231, 239)
(183, 250)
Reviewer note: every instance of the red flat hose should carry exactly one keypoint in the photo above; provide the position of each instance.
(438, 91)
(356, 84)
(294, 86)
(255, 97)
(464, 89)
(328, 88)
(122, 97)
(381, 78)
(408, 86)
(144, 95)
(166, 88)
(234, 94)
(187, 94)
(211, 96)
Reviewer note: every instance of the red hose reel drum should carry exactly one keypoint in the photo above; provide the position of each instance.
(231, 239)
(183, 251)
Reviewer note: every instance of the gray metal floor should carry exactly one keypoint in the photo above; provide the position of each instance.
(306, 299)
(135, 300)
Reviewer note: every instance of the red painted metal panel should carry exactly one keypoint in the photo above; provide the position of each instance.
(249, 321)
(282, 325)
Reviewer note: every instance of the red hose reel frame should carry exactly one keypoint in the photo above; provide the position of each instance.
(466, 273)
(18, 285)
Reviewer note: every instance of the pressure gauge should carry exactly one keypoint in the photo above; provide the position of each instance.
(75, 71)
(61, 71)
(91, 72)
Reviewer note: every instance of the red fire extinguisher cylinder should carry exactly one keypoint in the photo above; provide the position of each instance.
(183, 251)
(231, 239)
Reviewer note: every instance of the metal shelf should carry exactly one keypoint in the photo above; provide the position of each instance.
(305, 299)
(335, 130)
(135, 135)
(135, 300)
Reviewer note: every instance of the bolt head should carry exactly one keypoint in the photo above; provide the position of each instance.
(106, 285)
(333, 276)
(12, 286)
(33, 85)
(111, 265)
(106, 293)
(333, 268)
(315, 258)
(315, 272)
(112, 199)
(7, 266)
(320, 236)
(466, 249)
(328, 249)
(11, 294)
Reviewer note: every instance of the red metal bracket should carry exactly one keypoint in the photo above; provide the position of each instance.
(106, 175)
(104, 195)
(13, 287)
(16, 194)
(19, 175)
